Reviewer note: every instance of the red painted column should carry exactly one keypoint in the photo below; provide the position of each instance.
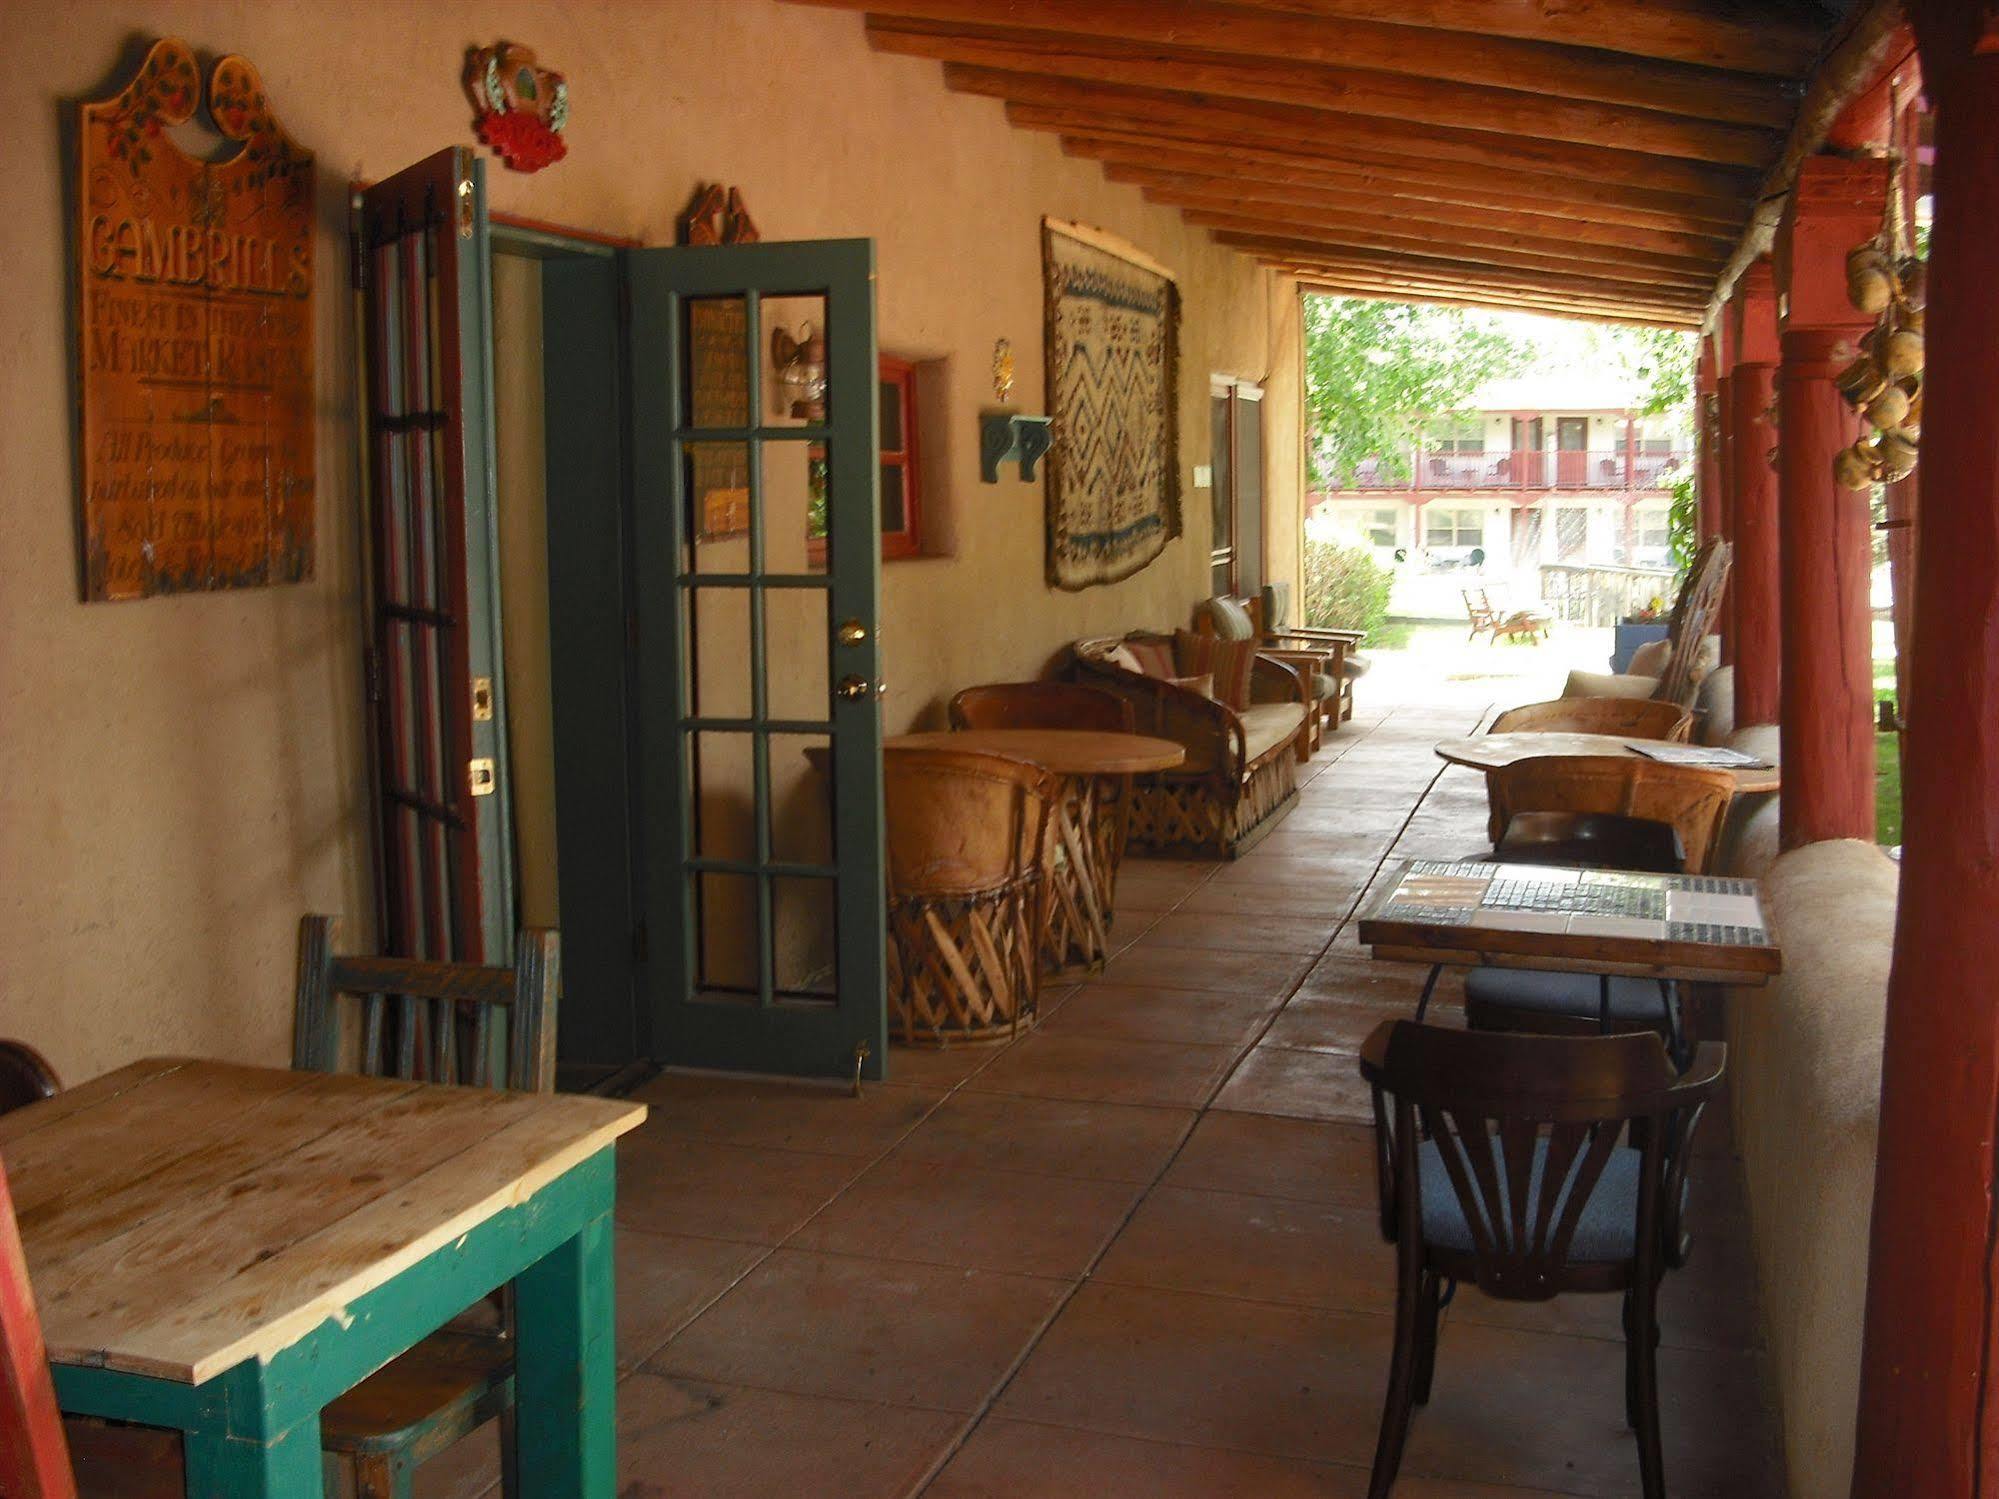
(1707, 442)
(1827, 551)
(1724, 364)
(1752, 317)
(1929, 1399)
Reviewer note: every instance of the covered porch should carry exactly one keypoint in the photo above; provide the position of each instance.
(1133, 1243)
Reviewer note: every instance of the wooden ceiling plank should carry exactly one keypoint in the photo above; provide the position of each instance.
(1389, 286)
(1427, 260)
(1412, 241)
(1315, 85)
(1333, 285)
(1702, 32)
(1454, 285)
(1500, 62)
(1290, 122)
(1497, 211)
(1121, 139)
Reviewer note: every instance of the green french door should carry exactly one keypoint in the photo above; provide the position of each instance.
(755, 534)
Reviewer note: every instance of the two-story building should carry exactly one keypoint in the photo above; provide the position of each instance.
(1550, 488)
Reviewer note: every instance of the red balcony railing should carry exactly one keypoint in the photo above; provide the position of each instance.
(1596, 468)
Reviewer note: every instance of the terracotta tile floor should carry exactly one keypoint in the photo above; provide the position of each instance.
(1135, 1252)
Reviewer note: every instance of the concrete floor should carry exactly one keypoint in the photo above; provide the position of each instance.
(1135, 1252)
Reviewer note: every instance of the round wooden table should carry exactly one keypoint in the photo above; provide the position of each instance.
(1086, 831)
(1492, 751)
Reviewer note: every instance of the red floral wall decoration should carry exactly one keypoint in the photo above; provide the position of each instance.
(520, 109)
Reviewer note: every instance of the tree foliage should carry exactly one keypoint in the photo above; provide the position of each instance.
(1657, 362)
(1378, 373)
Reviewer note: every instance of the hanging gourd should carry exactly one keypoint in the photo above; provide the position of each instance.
(1885, 384)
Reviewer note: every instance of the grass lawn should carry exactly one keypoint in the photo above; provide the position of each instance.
(1887, 766)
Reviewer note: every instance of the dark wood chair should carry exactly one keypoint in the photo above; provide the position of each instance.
(25, 1076)
(439, 1023)
(1040, 705)
(1632, 717)
(1530, 1166)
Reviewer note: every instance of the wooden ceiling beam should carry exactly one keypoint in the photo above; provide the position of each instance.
(1499, 62)
(1315, 205)
(1387, 283)
(1706, 33)
(1410, 240)
(1390, 96)
(1128, 141)
(1332, 283)
(1279, 123)
(1427, 262)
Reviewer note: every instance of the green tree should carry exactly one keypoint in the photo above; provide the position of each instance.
(1657, 362)
(1378, 373)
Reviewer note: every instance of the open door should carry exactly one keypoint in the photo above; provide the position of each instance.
(754, 419)
(439, 773)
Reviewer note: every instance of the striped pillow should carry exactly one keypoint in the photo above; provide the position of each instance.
(1193, 655)
(1234, 661)
(1155, 657)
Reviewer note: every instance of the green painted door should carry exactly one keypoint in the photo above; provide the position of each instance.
(757, 569)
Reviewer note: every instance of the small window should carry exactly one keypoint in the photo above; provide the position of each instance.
(1453, 528)
(1380, 528)
(1464, 436)
(901, 486)
(1654, 534)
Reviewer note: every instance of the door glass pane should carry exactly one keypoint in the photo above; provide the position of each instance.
(726, 950)
(716, 372)
(801, 798)
(717, 670)
(802, 929)
(797, 654)
(724, 790)
(891, 416)
(1222, 495)
(795, 532)
(795, 387)
(894, 510)
(718, 506)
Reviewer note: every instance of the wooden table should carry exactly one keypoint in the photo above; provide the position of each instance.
(1096, 764)
(1550, 918)
(225, 1249)
(1492, 751)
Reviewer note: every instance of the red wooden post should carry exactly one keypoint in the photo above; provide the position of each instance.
(34, 1458)
(1828, 546)
(1630, 448)
(1752, 315)
(1724, 370)
(1707, 442)
(1929, 1405)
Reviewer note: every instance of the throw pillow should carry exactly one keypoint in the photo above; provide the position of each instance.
(1234, 662)
(1193, 653)
(1121, 656)
(1155, 657)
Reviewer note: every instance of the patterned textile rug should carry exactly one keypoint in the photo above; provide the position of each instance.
(1113, 339)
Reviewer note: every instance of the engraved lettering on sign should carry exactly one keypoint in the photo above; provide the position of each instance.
(196, 333)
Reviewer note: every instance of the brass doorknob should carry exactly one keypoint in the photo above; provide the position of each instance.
(852, 687)
(851, 632)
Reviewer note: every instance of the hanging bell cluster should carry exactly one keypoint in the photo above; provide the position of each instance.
(1885, 384)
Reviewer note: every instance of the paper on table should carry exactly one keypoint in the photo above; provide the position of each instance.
(1696, 754)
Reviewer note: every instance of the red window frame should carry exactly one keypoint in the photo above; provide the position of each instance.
(907, 541)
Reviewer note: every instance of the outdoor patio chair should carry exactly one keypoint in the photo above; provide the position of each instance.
(1489, 620)
(1603, 811)
(1632, 717)
(1530, 1166)
(1327, 661)
(439, 1023)
(967, 886)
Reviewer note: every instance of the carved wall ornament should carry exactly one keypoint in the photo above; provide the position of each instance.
(520, 108)
(195, 357)
(717, 216)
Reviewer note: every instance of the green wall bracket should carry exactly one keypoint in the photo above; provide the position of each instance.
(1004, 435)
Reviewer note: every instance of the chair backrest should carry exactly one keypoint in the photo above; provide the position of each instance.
(1692, 799)
(34, 1457)
(1635, 717)
(1477, 605)
(25, 1076)
(1040, 705)
(1693, 616)
(432, 1022)
(1229, 617)
(1522, 1129)
(1276, 605)
(963, 823)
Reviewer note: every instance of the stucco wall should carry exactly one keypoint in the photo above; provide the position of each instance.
(180, 778)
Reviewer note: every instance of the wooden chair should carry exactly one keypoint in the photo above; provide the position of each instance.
(1487, 619)
(1326, 661)
(1274, 621)
(25, 1076)
(1632, 717)
(1471, 1116)
(1609, 812)
(1040, 705)
(967, 835)
(440, 1023)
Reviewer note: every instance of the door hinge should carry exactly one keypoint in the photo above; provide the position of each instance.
(482, 699)
(641, 943)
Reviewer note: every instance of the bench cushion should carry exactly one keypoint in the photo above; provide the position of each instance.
(1634, 1001)
(1265, 725)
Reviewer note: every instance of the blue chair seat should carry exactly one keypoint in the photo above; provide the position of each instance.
(1606, 1232)
(1633, 1001)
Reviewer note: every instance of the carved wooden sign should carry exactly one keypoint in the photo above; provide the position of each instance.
(196, 335)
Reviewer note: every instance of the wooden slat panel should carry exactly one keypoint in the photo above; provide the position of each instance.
(1429, 262)
(1500, 62)
(1390, 96)
(1233, 118)
(1124, 135)
(1761, 39)
(1389, 285)
(1320, 282)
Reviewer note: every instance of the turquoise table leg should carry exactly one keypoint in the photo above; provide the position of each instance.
(250, 1451)
(565, 1370)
